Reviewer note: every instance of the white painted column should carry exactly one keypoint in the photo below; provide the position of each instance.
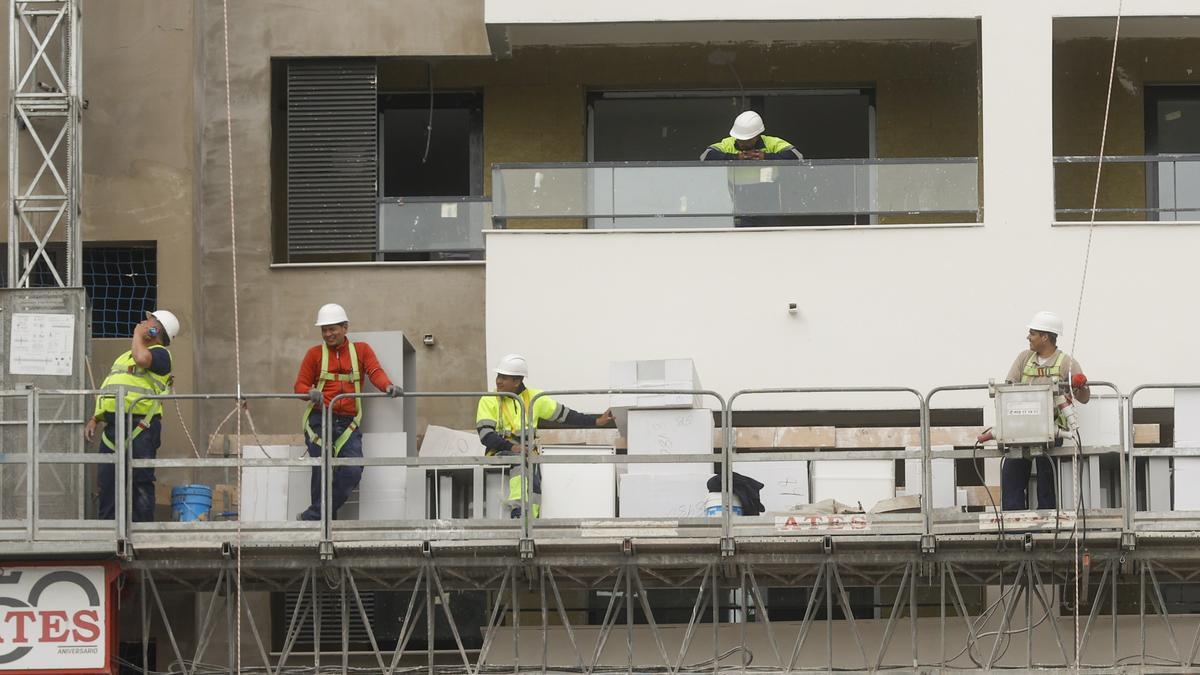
(1017, 72)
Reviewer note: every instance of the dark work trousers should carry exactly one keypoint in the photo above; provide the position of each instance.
(144, 446)
(1014, 483)
(345, 478)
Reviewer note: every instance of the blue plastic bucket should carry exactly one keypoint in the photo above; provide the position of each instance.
(191, 502)
(712, 505)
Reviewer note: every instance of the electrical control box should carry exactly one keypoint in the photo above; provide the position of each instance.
(1024, 414)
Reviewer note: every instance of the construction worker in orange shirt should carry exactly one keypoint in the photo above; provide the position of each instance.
(337, 366)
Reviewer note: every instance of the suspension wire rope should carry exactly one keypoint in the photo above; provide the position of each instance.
(1087, 253)
(237, 337)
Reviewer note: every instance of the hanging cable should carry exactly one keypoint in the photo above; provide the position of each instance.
(237, 336)
(429, 120)
(1112, 73)
(188, 434)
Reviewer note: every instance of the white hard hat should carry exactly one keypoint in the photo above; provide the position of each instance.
(513, 364)
(747, 126)
(331, 314)
(168, 320)
(1047, 322)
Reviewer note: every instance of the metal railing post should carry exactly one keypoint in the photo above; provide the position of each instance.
(122, 469)
(327, 468)
(526, 470)
(926, 469)
(727, 471)
(31, 486)
(1126, 476)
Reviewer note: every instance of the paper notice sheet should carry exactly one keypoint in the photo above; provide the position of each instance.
(41, 344)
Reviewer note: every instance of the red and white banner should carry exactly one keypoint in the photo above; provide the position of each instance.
(57, 618)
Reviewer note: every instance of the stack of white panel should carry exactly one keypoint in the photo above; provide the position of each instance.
(1187, 435)
(266, 494)
(663, 496)
(854, 481)
(944, 490)
(785, 482)
(578, 490)
(383, 491)
(652, 375)
(655, 423)
(670, 432)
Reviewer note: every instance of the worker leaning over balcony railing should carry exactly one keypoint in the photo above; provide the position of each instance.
(1042, 363)
(753, 189)
(747, 140)
(498, 421)
(144, 370)
(337, 366)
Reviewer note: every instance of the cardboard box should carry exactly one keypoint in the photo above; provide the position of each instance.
(977, 495)
(443, 442)
(651, 375)
(663, 496)
(785, 483)
(670, 432)
(854, 481)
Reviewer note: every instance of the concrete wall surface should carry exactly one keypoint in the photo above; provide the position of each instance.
(139, 154)
(277, 306)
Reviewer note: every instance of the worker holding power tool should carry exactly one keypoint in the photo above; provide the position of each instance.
(498, 421)
(1042, 363)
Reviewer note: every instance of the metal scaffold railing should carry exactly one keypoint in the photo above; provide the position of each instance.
(934, 589)
(922, 443)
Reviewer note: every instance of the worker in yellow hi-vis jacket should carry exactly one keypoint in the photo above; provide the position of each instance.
(498, 421)
(144, 370)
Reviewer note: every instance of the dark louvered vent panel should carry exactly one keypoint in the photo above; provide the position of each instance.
(331, 618)
(332, 156)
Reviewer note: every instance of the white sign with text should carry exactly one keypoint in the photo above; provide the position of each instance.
(53, 619)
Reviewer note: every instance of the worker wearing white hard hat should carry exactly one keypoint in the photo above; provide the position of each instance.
(1042, 363)
(144, 371)
(337, 366)
(498, 421)
(747, 141)
(753, 189)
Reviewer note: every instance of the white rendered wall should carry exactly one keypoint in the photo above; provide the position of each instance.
(917, 307)
(514, 12)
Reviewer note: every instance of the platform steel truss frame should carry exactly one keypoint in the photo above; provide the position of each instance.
(729, 596)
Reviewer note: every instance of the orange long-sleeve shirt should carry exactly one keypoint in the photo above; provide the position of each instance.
(339, 362)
